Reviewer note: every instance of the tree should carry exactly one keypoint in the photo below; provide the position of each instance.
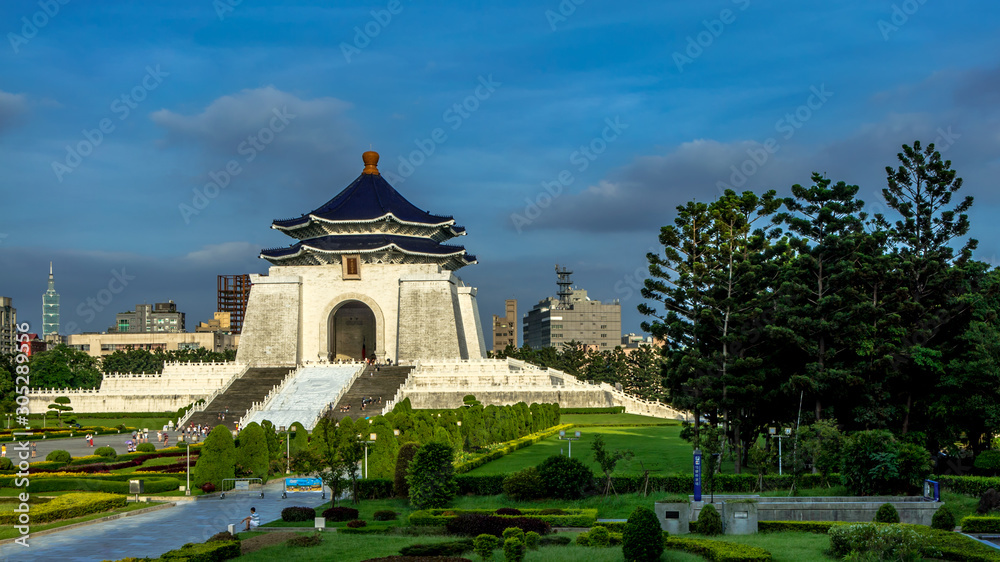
(329, 464)
(61, 407)
(607, 461)
(564, 478)
(431, 476)
(382, 456)
(273, 446)
(64, 367)
(823, 443)
(217, 459)
(406, 453)
(351, 451)
(642, 539)
(252, 456)
(299, 438)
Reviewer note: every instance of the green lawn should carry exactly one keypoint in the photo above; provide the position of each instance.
(614, 419)
(8, 532)
(657, 448)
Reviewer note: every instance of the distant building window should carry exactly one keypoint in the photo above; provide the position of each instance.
(352, 267)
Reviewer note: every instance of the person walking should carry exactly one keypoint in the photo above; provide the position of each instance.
(3, 451)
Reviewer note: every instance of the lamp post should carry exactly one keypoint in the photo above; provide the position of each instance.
(187, 490)
(562, 435)
(371, 439)
(8, 421)
(774, 433)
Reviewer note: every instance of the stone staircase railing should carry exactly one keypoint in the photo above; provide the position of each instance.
(208, 400)
(263, 405)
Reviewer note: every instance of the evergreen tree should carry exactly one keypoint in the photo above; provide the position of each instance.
(252, 455)
(382, 455)
(431, 476)
(217, 459)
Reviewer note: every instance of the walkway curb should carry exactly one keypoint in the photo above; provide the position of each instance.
(93, 521)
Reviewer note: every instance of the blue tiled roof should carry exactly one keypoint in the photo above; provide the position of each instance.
(368, 242)
(368, 197)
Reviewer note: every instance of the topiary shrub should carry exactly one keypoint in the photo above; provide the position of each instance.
(431, 476)
(208, 487)
(989, 501)
(59, 456)
(484, 545)
(305, 540)
(384, 515)
(508, 511)
(474, 524)
(406, 453)
(252, 453)
(6, 464)
(876, 542)
(340, 514)
(583, 539)
(357, 524)
(988, 463)
(564, 478)
(513, 550)
(709, 521)
(223, 536)
(106, 452)
(531, 539)
(298, 513)
(146, 448)
(642, 539)
(886, 514)
(943, 519)
(524, 485)
(513, 532)
(217, 458)
(599, 536)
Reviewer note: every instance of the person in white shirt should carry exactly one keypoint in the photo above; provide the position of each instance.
(253, 520)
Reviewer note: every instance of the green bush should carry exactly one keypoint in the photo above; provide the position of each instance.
(59, 456)
(709, 521)
(948, 545)
(431, 476)
(943, 519)
(484, 545)
(67, 506)
(453, 548)
(298, 513)
(819, 527)
(252, 456)
(513, 532)
(564, 478)
(989, 501)
(719, 551)
(974, 524)
(969, 485)
(406, 453)
(569, 518)
(217, 460)
(524, 485)
(886, 514)
(599, 537)
(6, 464)
(531, 539)
(145, 448)
(642, 539)
(884, 542)
(204, 552)
(554, 540)
(988, 463)
(875, 463)
(513, 550)
(106, 452)
(384, 515)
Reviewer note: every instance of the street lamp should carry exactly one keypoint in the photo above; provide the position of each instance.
(371, 437)
(774, 433)
(187, 490)
(562, 435)
(289, 435)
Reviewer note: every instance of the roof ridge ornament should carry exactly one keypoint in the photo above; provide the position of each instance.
(370, 158)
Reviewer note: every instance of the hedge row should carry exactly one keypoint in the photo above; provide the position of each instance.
(204, 552)
(437, 517)
(152, 485)
(510, 447)
(975, 524)
(955, 546)
(67, 507)
(973, 486)
(614, 538)
(719, 551)
(818, 527)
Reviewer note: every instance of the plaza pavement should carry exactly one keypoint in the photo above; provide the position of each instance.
(151, 534)
(78, 448)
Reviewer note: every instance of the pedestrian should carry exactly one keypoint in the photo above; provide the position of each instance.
(253, 520)
(3, 451)
(34, 449)
(166, 439)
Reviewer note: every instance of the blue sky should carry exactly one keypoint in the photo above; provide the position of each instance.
(556, 132)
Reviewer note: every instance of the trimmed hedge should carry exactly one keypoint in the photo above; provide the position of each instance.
(719, 551)
(509, 447)
(453, 548)
(340, 514)
(954, 546)
(475, 524)
(571, 517)
(108, 485)
(818, 527)
(204, 552)
(976, 524)
(68, 506)
(974, 486)
(298, 513)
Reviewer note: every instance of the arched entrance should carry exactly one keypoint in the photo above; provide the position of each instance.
(352, 332)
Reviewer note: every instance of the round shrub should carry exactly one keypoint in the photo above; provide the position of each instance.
(886, 514)
(709, 521)
(509, 511)
(524, 485)
(298, 513)
(583, 539)
(642, 539)
(6, 464)
(384, 515)
(59, 456)
(431, 476)
(146, 448)
(356, 524)
(531, 539)
(340, 514)
(208, 487)
(106, 452)
(599, 536)
(484, 545)
(988, 463)
(513, 550)
(943, 519)
(513, 532)
(564, 478)
(224, 536)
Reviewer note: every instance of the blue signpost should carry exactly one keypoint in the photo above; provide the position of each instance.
(697, 475)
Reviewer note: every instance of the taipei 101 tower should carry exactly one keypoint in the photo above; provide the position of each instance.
(50, 309)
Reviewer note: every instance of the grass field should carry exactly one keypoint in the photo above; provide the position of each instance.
(614, 419)
(657, 448)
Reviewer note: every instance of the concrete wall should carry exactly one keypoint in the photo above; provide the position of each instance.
(837, 508)
(429, 321)
(475, 340)
(271, 329)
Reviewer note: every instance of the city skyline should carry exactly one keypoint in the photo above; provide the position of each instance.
(166, 139)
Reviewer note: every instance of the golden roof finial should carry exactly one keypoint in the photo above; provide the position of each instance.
(370, 159)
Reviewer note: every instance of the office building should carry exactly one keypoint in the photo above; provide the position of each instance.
(219, 323)
(573, 316)
(99, 345)
(505, 327)
(159, 317)
(233, 294)
(8, 326)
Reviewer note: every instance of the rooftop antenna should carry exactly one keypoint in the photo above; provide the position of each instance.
(564, 286)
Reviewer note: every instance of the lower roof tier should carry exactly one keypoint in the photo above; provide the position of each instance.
(372, 248)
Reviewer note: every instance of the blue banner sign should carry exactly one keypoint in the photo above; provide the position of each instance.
(303, 485)
(697, 475)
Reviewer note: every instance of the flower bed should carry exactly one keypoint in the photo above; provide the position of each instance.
(68, 506)
(572, 518)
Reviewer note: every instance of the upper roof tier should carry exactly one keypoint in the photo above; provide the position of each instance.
(369, 205)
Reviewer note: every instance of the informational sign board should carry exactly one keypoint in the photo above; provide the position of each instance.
(303, 485)
(697, 475)
(932, 490)
(241, 485)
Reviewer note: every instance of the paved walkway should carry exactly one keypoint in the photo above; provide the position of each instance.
(152, 534)
(78, 448)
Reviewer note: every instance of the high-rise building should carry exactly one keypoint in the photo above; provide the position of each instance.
(8, 326)
(573, 317)
(505, 327)
(159, 317)
(234, 291)
(50, 310)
